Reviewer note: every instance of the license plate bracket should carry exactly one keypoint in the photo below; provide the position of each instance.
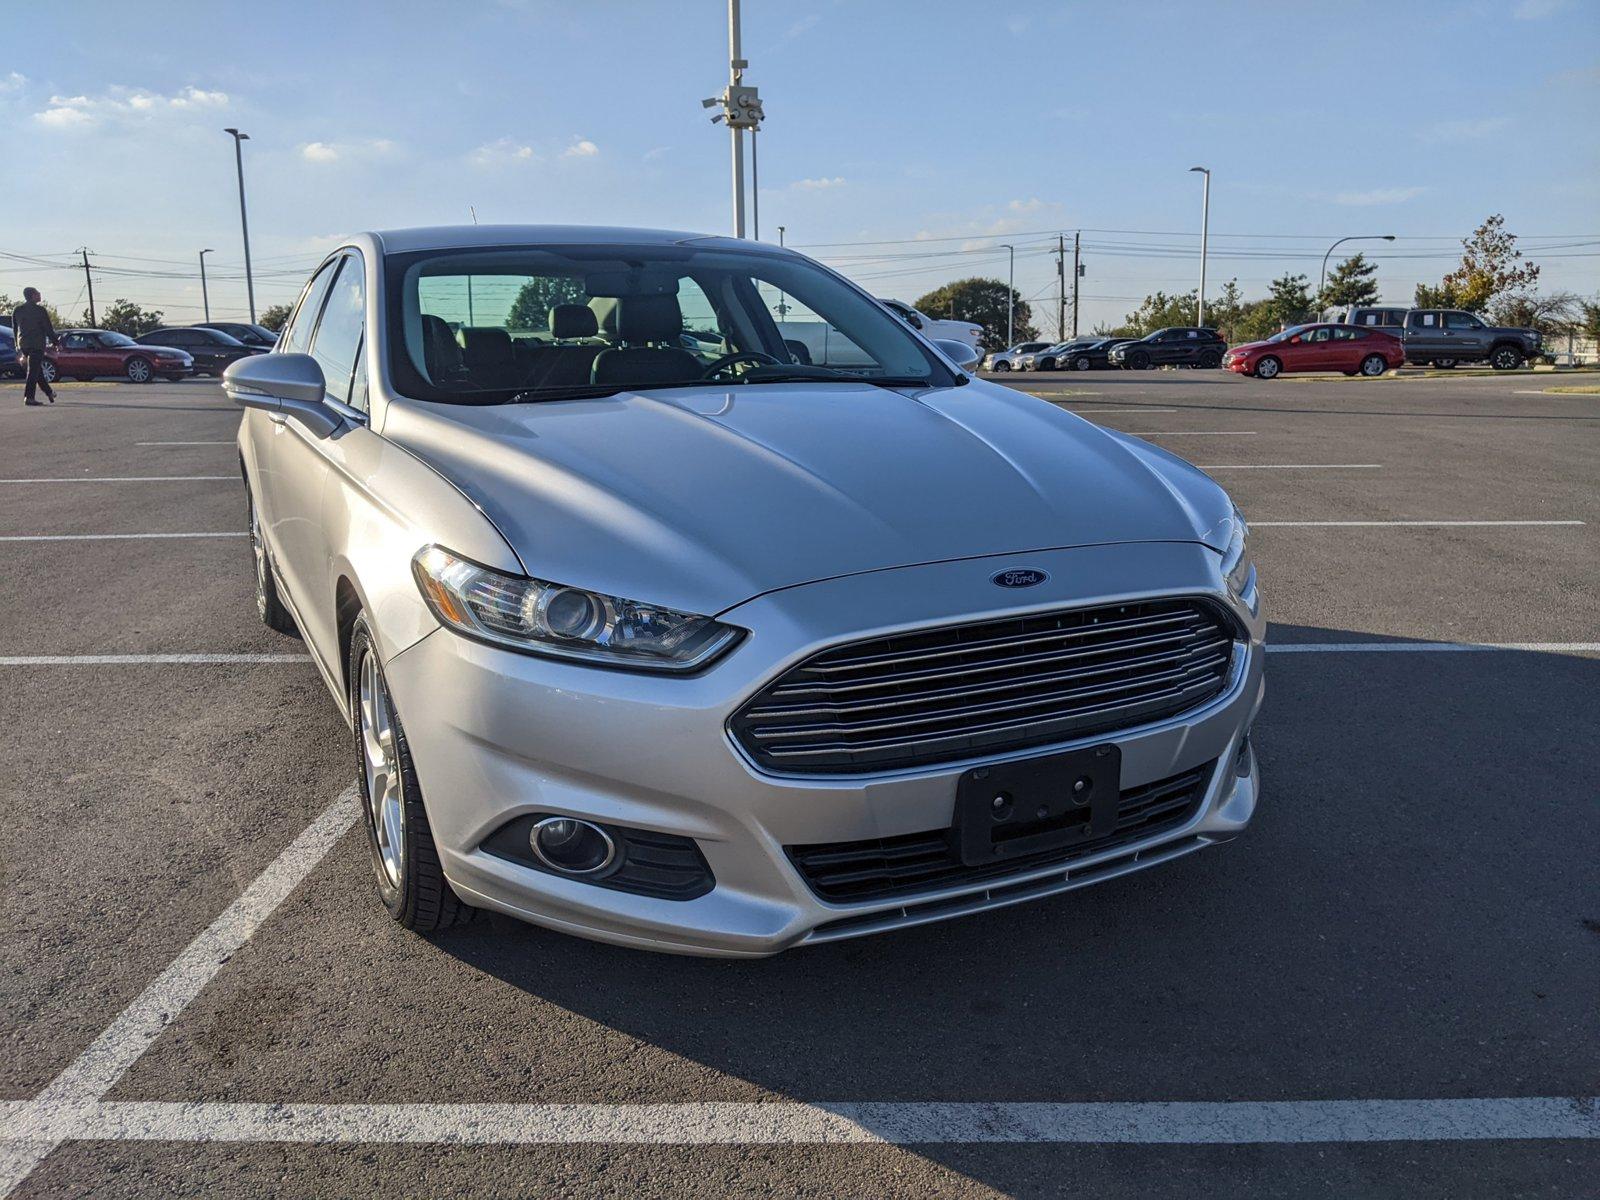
(1011, 810)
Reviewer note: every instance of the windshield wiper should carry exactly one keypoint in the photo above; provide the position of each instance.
(802, 373)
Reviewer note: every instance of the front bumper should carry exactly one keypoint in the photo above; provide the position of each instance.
(495, 735)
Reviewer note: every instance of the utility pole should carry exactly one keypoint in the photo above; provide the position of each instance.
(244, 222)
(781, 228)
(741, 109)
(1205, 226)
(205, 294)
(1061, 287)
(1077, 274)
(1011, 296)
(88, 280)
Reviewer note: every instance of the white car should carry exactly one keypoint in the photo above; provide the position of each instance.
(1008, 360)
(933, 328)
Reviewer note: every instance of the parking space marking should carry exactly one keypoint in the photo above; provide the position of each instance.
(112, 537)
(1290, 466)
(121, 660)
(1430, 647)
(96, 1071)
(1095, 412)
(789, 1123)
(1192, 432)
(224, 443)
(1377, 524)
(130, 479)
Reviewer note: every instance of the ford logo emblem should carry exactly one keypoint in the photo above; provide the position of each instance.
(1026, 577)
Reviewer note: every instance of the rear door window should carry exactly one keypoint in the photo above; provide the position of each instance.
(1461, 320)
(297, 334)
(339, 332)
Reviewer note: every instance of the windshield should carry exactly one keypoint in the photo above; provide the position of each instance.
(1288, 333)
(484, 326)
(116, 339)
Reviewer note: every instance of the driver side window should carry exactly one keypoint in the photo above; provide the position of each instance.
(296, 337)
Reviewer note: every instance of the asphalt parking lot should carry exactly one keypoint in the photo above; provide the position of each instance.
(1389, 986)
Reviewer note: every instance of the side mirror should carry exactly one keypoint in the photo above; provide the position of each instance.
(1295, 340)
(289, 384)
(963, 355)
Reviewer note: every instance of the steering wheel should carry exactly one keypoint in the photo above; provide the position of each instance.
(727, 360)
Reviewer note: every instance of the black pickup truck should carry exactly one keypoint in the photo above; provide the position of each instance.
(1447, 336)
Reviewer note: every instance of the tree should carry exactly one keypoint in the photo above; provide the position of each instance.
(276, 317)
(1158, 311)
(983, 302)
(1491, 266)
(1589, 322)
(1443, 296)
(124, 316)
(1351, 283)
(531, 308)
(1554, 314)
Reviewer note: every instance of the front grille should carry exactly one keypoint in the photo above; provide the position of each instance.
(960, 691)
(880, 868)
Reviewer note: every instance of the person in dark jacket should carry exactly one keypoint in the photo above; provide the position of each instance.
(30, 325)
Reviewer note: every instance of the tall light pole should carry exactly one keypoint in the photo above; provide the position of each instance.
(1011, 295)
(1322, 280)
(741, 109)
(205, 294)
(1205, 229)
(244, 222)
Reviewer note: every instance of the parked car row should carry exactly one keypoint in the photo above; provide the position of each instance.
(1078, 354)
(162, 353)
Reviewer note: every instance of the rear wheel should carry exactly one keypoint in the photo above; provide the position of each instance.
(139, 370)
(270, 608)
(1505, 358)
(1268, 368)
(404, 858)
(1139, 360)
(1373, 365)
(1211, 360)
(1081, 363)
(1444, 364)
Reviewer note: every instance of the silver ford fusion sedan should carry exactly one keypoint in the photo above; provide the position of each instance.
(679, 595)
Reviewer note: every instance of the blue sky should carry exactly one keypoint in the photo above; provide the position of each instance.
(933, 130)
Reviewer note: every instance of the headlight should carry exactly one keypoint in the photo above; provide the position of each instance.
(537, 617)
(1237, 566)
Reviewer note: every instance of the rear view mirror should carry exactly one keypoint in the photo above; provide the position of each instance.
(291, 385)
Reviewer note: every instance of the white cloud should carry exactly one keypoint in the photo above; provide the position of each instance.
(804, 25)
(658, 152)
(581, 148)
(1393, 195)
(120, 104)
(822, 183)
(12, 81)
(500, 153)
(1469, 130)
(1535, 10)
(1018, 25)
(359, 151)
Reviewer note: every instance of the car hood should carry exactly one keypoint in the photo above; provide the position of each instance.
(1247, 347)
(701, 498)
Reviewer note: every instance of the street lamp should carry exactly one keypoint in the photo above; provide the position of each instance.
(1205, 227)
(1011, 294)
(244, 223)
(205, 296)
(1357, 237)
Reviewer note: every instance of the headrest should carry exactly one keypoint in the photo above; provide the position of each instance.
(604, 309)
(487, 347)
(648, 318)
(439, 350)
(573, 321)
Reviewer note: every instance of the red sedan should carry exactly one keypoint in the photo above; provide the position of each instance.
(1349, 349)
(86, 353)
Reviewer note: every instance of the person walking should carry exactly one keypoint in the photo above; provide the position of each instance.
(30, 325)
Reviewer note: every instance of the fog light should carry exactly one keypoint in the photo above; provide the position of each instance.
(571, 846)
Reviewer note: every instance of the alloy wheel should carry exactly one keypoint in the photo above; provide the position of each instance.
(380, 762)
(1373, 365)
(258, 548)
(1081, 362)
(48, 370)
(1506, 359)
(1267, 368)
(139, 370)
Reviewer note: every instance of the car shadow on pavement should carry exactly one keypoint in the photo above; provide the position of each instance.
(1405, 918)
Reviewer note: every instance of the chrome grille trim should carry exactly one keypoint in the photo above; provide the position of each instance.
(952, 692)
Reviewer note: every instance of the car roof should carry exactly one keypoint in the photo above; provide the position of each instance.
(453, 237)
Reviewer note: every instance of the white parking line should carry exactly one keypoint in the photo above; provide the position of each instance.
(1375, 524)
(1191, 432)
(184, 443)
(1290, 466)
(96, 1071)
(131, 479)
(123, 660)
(111, 537)
(1247, 1122)
(1095, 412)
(1429, 647)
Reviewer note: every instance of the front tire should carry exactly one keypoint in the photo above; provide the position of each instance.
(47, 370)
(1268, 368)
(1002, 365)
(1506, 358)
(1444, 364)
(1210, 360)
(1139, 361)
(274, 615)
(405, 860)
(1373, 365)
(1081, 363)
(139, 370)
